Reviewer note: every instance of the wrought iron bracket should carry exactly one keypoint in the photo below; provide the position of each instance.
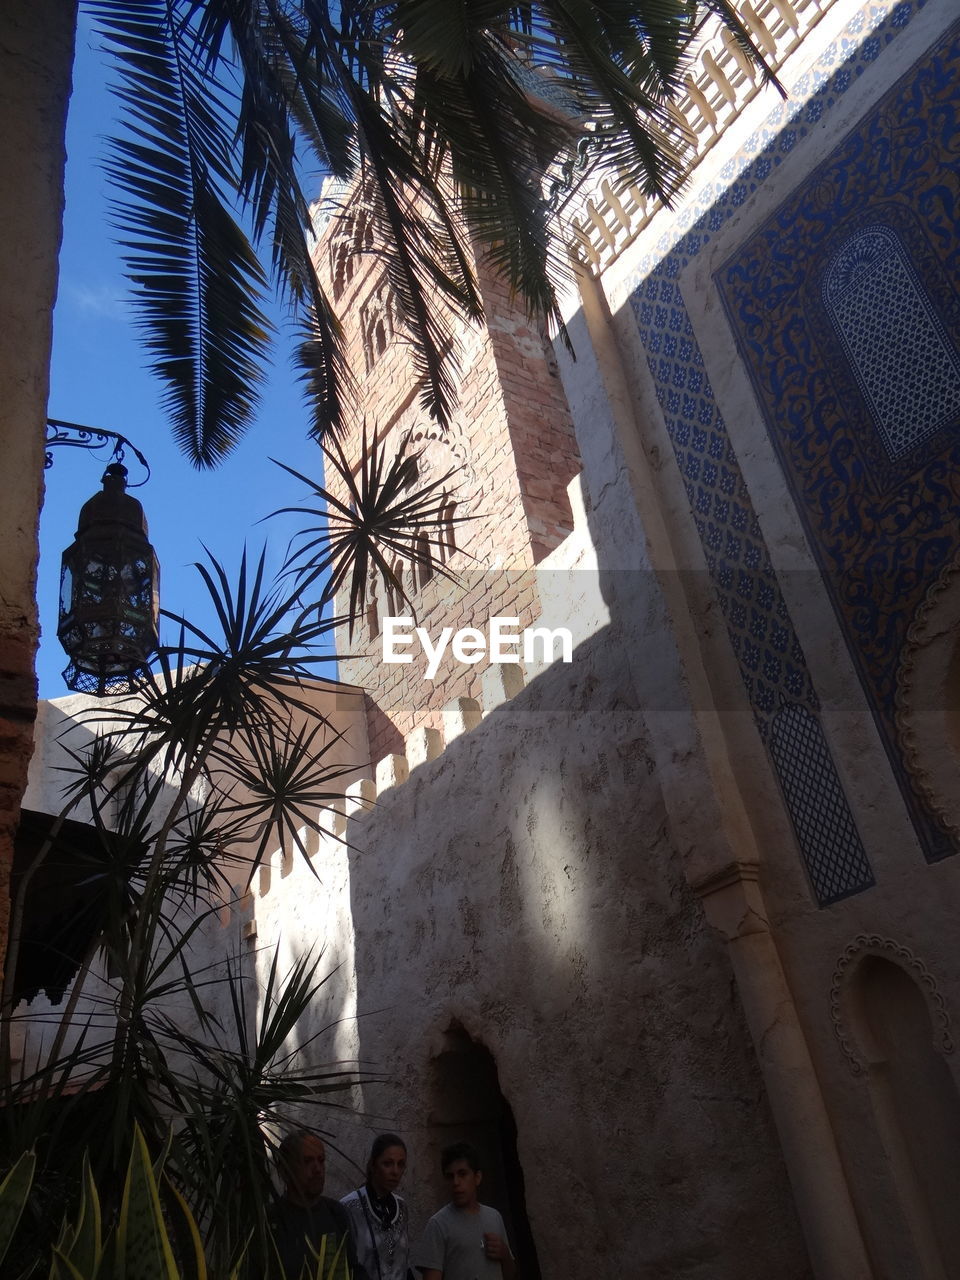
(79, 437)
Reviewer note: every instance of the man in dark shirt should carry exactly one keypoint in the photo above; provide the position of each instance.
(304, 1221)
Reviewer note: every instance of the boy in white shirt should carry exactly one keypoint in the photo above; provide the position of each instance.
(466, 1240)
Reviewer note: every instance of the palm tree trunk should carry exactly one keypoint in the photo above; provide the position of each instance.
(36, 59)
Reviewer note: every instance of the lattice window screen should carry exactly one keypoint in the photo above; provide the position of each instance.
(906, 367)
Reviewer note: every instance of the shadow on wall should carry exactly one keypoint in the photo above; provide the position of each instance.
(523, 885)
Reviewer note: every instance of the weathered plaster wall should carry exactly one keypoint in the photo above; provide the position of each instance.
(523, 887)
(36, 54)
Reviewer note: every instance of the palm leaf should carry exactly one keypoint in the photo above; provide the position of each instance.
(223, 97)
(283, 93)
(228, 678)
(197, 279)
(288, 782)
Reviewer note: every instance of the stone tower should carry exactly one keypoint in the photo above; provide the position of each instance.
(508, 457)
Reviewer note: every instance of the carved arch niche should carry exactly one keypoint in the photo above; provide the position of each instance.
(445, 456)
(354, 237)
(447, 449)
(894, 1027)
(466, 1103)
(928, 699)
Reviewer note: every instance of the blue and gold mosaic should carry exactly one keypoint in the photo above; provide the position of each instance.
(771, 660)
(847, 314)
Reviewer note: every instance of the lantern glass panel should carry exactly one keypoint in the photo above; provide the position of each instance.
(108, 596)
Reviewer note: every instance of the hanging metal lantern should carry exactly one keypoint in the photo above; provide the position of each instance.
(109, 582)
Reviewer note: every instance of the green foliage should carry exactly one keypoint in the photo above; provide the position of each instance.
(139, 1246)
(143, 1249)
(13, 1196)
(326, 1266)
(386, 516)
(221, 751)
(80, 1249)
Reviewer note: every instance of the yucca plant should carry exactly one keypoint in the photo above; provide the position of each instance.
(220, 750)
(381, 513)
(155, 1237)
(220, 758)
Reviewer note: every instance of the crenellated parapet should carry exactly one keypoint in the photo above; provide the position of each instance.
(571, 595)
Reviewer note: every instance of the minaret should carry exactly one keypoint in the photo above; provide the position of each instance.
(512, 450)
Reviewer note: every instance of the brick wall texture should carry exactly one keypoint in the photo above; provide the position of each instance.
(514, 452)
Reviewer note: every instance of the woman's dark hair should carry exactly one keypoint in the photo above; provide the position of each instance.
(382, 1143)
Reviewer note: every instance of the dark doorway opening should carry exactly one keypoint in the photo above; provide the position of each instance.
(467, 1104)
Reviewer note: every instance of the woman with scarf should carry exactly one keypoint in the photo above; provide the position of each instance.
(378, 1217)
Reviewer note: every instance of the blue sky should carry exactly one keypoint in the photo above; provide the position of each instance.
(99, 378)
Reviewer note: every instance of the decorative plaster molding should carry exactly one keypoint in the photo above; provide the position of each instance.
(379, 321)
(730, 873)
(435, 441)
(872, 944)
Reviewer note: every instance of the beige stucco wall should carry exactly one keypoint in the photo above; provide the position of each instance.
(549, 917)
(36, 53)
(523, 887)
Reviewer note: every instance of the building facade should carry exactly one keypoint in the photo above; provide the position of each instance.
(668, 928)
(36, 56)
(669, 924)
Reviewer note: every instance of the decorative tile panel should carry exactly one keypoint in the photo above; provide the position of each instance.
(847, 315)
(771, 660)
(834, 854)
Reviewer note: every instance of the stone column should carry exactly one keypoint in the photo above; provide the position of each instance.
(734, 905)
(711, 821)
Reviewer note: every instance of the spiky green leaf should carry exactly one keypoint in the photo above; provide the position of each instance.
(14, 1191)
(143, 1246)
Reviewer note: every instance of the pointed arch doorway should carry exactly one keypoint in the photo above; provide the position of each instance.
(467, 1104)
